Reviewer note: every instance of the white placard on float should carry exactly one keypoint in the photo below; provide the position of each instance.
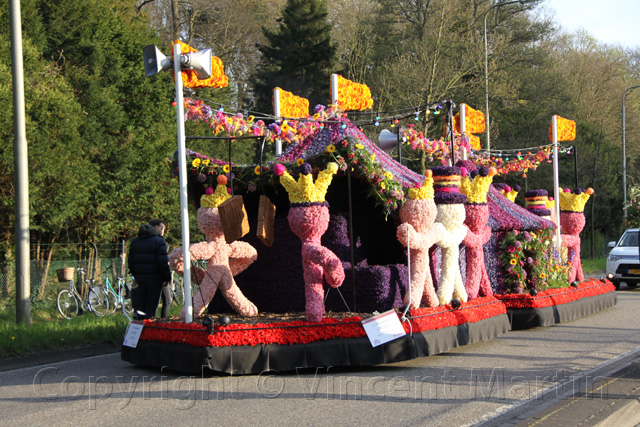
(383, 328)
(132, 335)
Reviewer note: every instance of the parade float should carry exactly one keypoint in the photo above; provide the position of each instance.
(349, 258)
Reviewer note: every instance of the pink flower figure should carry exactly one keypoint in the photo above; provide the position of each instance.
(309, 219)
(224, 260)
(572, 222)
(477, 215)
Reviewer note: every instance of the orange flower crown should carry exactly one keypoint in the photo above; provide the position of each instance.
(425, 191)
(353, 96)
(218, 78)
(292, 105)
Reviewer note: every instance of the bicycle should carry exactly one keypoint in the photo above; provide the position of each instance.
(177, 288)
(120, 297)
(69, 300)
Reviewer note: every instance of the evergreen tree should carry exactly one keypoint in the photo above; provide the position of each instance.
(298, 57)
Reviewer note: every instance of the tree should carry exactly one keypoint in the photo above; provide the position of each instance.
(298, 56)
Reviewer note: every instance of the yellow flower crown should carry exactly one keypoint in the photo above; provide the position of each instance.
(304, 190)
(476, 190)
(213, 199)
(425, 191)
(550, 204)
(574, 202)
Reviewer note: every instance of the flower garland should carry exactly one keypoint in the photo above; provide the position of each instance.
(520, 163)
(218, 78)
(566, 129)
(302, 332)
(237, 125)
(528, 260)
(353, 96)
(557, 296)
(292, 105)
(434, 148)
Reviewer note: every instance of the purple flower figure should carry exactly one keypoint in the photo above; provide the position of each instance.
(518, 244)
(202, 177)
(251, 187)
(318, 108)
(527, 236)
(530, 260)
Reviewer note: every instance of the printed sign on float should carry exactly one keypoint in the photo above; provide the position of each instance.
(132, 335)
(383, 328)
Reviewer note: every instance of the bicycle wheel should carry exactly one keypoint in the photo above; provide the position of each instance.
(178, 290)
(127, 307)
(113, 301)
(67, 304)
(98, 301)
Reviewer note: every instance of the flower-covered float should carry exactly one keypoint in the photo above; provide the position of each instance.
(364, 202)
(359, 250)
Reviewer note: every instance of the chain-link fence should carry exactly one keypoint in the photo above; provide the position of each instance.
(44, 280)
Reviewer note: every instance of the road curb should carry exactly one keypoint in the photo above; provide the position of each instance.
(39, 359)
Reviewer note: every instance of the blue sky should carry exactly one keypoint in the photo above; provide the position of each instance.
(610, 21)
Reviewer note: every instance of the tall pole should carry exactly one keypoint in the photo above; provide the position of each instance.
(486, 71)
(624, 156)
(21, 177)
(182, 173)
(556, 178)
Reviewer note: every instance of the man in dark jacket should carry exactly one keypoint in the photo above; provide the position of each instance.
(149, 266)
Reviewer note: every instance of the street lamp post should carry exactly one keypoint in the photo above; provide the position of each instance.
(624, 155)
(486, 69)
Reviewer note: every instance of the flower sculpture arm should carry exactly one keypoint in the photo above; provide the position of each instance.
(176, 262)
(242, 256)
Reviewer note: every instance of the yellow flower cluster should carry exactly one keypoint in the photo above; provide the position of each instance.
(425, 191)
(293, 106)
(566, 130)
(476, 190)
(353, 96)
(218, 78)
(511, 195)
(304, 190)
(574, 202)
(216, 199)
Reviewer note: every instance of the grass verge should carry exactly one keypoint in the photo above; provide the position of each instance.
(591, 266)
(48, 331)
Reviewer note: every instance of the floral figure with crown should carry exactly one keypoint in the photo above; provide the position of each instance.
(224, 260)
(419, 232)
(450, 204)
(572, 222)
(477, 216)
(309, 219)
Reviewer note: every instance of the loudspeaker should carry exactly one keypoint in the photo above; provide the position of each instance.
(155, 61)
(387, 140)
(199, 61)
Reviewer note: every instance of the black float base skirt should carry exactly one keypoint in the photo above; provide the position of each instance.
(527, 318)
(330, 353)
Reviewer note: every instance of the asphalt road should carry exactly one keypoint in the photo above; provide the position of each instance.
(484, 383)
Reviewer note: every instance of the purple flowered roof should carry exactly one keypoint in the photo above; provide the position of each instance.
(504, 214)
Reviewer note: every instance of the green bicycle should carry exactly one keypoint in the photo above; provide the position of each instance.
(120, 296)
